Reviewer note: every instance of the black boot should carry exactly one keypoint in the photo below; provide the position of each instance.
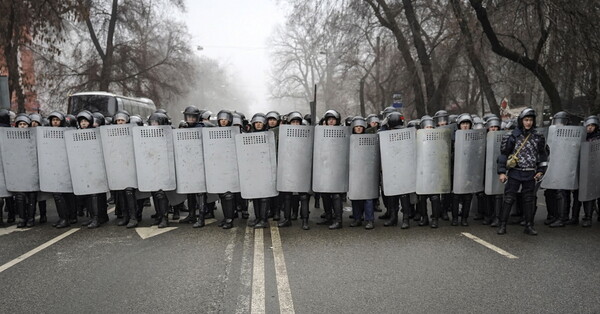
(562, 210)
(256, 209)
(295, 207)
(304, 200)
(502, 228)
(62, 210)
(393, 219)
(192, 205)
(405, 222)
(338, 212)
(509, 199)
(93, 209)
(263, 220)
(587, 212)
(287, 211)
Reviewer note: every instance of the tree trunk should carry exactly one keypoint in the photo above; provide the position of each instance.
(107, 62)
(11, 55)
(532, 65)
(484, 81)
(361, 96)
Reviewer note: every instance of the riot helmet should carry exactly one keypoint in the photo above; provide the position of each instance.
(560, 118)
(36, 119)
(22, 120)
(191, 115)
(85, 120)
(441, 117)
(294, 116)
(4, 117)
(387, 111)
(394, 120)
(332, 114)
(373, 118)
(591, 120)
(308, 118)
(527, 112)
(478, 123)
(259, 122)
(206, 115)
(452, 118)
(493, 122)
(158, 118)
(487, 116)
(98, 119)
(71, 121)
(283, 119)
(348, 120)
(121, 118)
(225, 115)
(273, 118)
(413, 123)
(357, 123)
(135, 119)
(182, 124)
(164, 112)
(464, 118)
(58, 117)
(427, 122)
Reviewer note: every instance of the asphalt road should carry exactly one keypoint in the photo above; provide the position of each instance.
(113, 270)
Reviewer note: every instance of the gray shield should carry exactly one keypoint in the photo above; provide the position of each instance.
(86, 161)
(364, 167)
(19, 158)
(493, 186)
(294, 163)
(220, 159)
(543, 131)
(469, 161)
(330, 159)
(433, 161)
(189, 161)
(589, 171)
(55, 175)
(398, 157)
(154, 158)
(563, 171)
(119, 157)
(257, 164)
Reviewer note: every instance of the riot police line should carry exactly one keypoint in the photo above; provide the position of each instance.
(448, 161)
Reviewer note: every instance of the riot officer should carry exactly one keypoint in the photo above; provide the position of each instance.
(224, 119)
(373, 124)
(465, 122)
(530, 149)
(332, 202)
(25, 201)
(361, 207)
(37, 120)
(428, 123)
(96, 203)
(395, 120)
(557, 201)
(441, 118)
(192, 116)
(591, 123)
(492, 203)
(307, 117)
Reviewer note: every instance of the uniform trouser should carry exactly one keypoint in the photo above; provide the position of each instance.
(407, 207)
(42, 206)
(525, 181)
(588, 207)
(332, 204)
(558, 201)
(481, 204)
(576, 208)
(10, 206)
(446, 201)
(161, 203)
(26, 203)
(227, 202)
(304, 201)
(241, 205)
(493, 206)
(360, 207)
(464, 200)
(71, 205)
(96, 204)
(435, 205)
(261, 206)
(128, 203)
(551, 203)
(61, 206)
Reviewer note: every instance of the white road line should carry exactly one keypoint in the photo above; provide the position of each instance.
(258, 274)
(489, 245)
(286, 305)
(36, 250)
(243, 303)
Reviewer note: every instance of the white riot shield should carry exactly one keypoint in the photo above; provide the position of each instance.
(119, 157)
(398, 160)
(294, 164)
(433, 161)
(154, 158)
(493, 186)
(589, 171)
(469, 161)
(257, 164)
(55, 176)
(563, 171)
(220, 159)
(86, 161)
(330, 159)
(364, 167)
(189, 161)
(19, 158)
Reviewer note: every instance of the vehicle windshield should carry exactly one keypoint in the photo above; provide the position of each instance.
(94, 103)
